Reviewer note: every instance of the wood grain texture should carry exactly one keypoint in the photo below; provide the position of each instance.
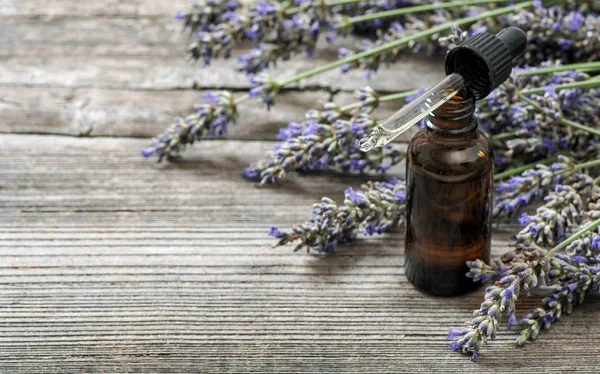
(112, 263)
(87, 8)
(104, 112)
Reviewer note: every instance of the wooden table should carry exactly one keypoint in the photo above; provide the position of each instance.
(113, 263)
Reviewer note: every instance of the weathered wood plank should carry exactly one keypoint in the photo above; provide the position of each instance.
(88, 69)
(103, 112)
(150, 54)
(87, 8)
(168, 73)
(111, 263)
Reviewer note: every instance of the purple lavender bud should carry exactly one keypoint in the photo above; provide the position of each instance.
(274, 232)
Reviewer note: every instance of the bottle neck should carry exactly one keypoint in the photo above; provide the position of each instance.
(455, 117)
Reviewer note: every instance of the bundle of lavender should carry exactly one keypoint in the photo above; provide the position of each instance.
(570, 198)
(517, 116)
(565, 31)
(566, 277)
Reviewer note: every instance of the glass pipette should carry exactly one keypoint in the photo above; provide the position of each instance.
(482, 62)
(412, 112)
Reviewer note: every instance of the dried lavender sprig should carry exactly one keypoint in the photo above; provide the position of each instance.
(554, 219)
(527, 267)
(517, 270)
(209, 121)
(394, 44)
(212, 120)
(202, 15)
(281, 31)
(377, 208)
(521, 190)
(324, 145)
(563, 32)
(264, 18)
(176, 137)
(539, 126)
(328, 138)
(578, 278)
(405, 40)
(275, 85)
(578, 273)
(568, 32)
(588, 245)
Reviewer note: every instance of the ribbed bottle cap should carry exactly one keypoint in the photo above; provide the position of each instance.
(485, 60)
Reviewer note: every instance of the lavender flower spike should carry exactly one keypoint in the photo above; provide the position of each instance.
(265, 87)
(202, 15)
(317, 144)
(533, 184)
(522, 269)
(377, 208)
(209, 121)
(552, 220)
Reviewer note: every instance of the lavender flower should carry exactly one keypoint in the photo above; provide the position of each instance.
(368, 98)
(576, 279)
(569, 32)
(202, 15)
(321, 146)
(588, 245)
(295, 35)
(539, 131)
(530, 266)
(265, 87)
(378, 208)
(327, 139)
(522, 269)
(210, 44)
(209, 120)
(552, 220)
(521, 190)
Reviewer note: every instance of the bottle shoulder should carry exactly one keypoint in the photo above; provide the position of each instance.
(450, 158)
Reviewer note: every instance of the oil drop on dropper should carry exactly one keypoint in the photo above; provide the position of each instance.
(450, 166)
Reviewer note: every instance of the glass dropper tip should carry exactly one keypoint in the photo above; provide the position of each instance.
(367, 143)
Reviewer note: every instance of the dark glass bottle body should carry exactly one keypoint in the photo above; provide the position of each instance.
(449, 199)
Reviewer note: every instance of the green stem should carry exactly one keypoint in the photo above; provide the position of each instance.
(580, 126)
(581, 66)
(573, 237)
(241, 99)
(329, 4)
(382, 99)
(420, 8)
(583, 165)
(589, 83)
(596, 180)
(564, 121)
(504, 135)
(520, 169)
(405, 40)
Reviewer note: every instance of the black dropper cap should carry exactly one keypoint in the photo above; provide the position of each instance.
(485, 60)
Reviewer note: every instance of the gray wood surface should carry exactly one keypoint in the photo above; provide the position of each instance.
(113, 263)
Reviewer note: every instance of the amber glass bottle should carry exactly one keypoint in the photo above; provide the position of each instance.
(449, 189)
